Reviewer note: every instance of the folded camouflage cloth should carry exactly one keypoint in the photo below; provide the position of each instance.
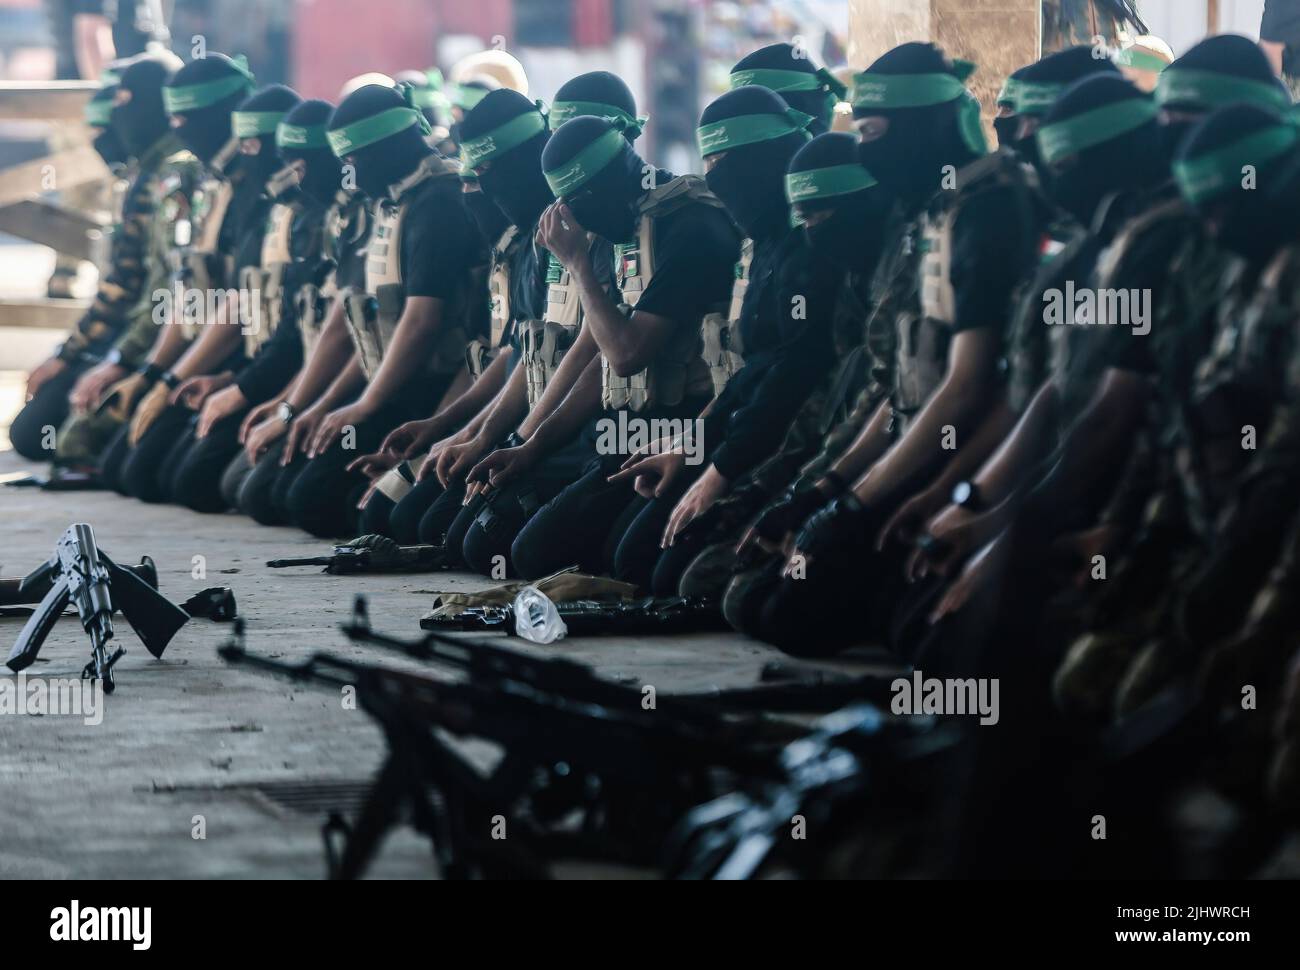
(569, 584)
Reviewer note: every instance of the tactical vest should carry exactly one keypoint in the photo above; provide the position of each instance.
(373, 315)
(679, 371)
(545, 342)
(206, 267)
(267, 279)
(482, 351)
(1239, 384)
(723, 350)
(923, 337)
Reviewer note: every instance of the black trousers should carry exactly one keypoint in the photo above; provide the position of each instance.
(581, 526)
(423, 515)
(148, 467)
(256, 490)
(47, 410)
(112, 463)
(638, 556)
(196, 480)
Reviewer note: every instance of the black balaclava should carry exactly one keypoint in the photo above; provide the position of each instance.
(1100, 137)
(258, 117)
(502, 138)
(1006, 125)
(99, 113)
(203, 93)
(790, 72)
(909, 158)
(492, 222)
(600, 94)
(302, 136)
(1251, 212)
(750, 177)
(826, 175)
(1220, 70)
(600, 178)
(381, 134)
(142, 120)
(464, 98)
(1036, 87)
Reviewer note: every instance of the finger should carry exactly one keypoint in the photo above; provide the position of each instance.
(629, 470)
(895, 521)
(644, 486)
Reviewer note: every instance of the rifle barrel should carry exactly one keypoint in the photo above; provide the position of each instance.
(314, 561)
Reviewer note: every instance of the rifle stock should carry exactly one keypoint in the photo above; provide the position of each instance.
(154, 618)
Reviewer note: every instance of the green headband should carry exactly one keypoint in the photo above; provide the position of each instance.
(500, 140)
(826, 183)
(1010, 88)
(562, 111)
(1142, 60)
(252, 124)
(1210, 89)
(301, 136)
(466, 96)
(778, 80)
(99, 112)
(1204, 177)
(367, 131)
(1071, 135)
(108, 78)
(872, 90)
(729, 133)
(1036, 97)
(192, 97)
(584, 166)
(429, 98)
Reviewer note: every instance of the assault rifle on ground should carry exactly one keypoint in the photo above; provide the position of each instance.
(81, 574)
(799, 690)
(576, 779)
(651, 616)
(373, 554)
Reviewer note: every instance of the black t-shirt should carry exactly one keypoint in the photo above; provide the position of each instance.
(992, 249)
(695, 249)
(1281, 23)
(441, 243)
(787, 329)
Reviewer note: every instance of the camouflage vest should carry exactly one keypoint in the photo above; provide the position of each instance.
(373, 316)
(267, 279)
(723, 350)
(1238, 386)
(481, 351)
(924, 331)
(205, 267)
(545, 342)
(679, 370)
(346, 224)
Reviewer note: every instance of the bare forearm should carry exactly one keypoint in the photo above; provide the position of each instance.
(213, 346)
(508, 409)
(168, 348)
(571, 368)
(580, 405)
(1023, 448)
(343, 387)
(412, 346)
(953, 407)
(330, 356)
(867, 447)
(612, 332)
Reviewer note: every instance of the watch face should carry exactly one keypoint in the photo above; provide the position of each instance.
(962, 493)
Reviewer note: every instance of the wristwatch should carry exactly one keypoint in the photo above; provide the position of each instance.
(286, 413)
(967, 495)
(114, 356)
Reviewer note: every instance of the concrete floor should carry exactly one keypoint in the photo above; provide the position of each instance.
(182, 735)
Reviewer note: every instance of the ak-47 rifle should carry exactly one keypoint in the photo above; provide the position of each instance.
(82, 574)
(652, 616)
(856, 772)
(810, 691)
(577, 779)
(374, 554)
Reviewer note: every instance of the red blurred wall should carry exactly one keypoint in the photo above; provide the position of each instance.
(334, 40)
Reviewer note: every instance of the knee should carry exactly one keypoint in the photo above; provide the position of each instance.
(140, 478)
(531, 554)
(309, 512)
(256, 499)
(487, 544)
(193, 487)
(784, 623)
(376, 515)
(32, 431)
